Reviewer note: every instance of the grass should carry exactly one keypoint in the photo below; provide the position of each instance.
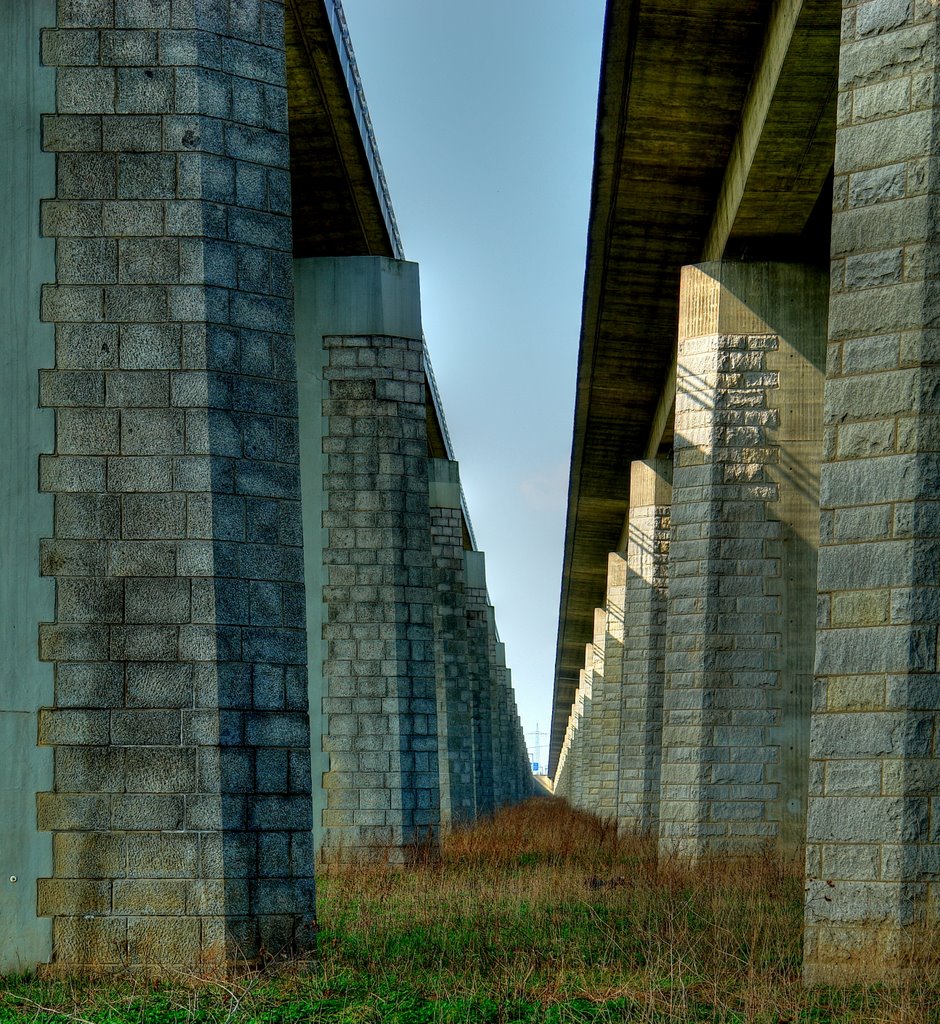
(540, 915)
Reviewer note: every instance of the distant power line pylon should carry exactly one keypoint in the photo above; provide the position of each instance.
(536, 748)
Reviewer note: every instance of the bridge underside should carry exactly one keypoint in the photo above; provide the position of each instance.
(675, 136)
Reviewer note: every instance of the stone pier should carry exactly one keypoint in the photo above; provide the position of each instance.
(480, 676)
(196, 510)
(454, 695)
(873, 856)
(814, 200)
(367, 518)
(580, 714)
(742, 557)
(502, 738)
(179, 809)
(609, 718)
(644, 633)
(602, 728)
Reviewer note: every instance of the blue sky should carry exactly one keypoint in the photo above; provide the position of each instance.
(484, 115)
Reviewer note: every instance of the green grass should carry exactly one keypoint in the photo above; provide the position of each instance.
(539, 916)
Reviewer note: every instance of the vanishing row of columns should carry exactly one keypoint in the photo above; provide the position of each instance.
(779, 682)
(696, 718)
(419, 726)
(692, 713)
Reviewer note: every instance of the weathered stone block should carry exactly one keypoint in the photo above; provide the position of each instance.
(85, 90)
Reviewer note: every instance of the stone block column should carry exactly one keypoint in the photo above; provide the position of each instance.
(644, 649)
(873, 835)
(369, 573)
(502, 732)
(593, 755)
(496, 707)
(609, 638)
(742, 557)
(480, 675)
(180, 804)
(454, 697)
(526, 780)
(519, 765)
(580, 710)
(562, 779)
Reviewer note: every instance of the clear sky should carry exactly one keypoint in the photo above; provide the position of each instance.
(484, 115)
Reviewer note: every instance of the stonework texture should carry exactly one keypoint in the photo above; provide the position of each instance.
(607, 746)
(580, 714)
(738, 665)
(496, 707)
(504, 780)
(644, 633)
(561, 784)
(454, 697)
(180, 810)
(715, 715)
(600, 758)
(159, 796)
(481, 670)
(777, 500)
(380, 703)
(402, 635)
(873, 854)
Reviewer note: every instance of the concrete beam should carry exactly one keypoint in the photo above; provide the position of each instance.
(760, 95)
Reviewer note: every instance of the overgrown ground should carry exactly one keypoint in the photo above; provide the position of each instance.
(541, 916)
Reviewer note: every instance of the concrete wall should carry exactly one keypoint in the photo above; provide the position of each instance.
(26, 599)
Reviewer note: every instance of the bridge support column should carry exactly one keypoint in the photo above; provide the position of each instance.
(496, 706)
(562, 781)
(581, 711)
(368, 526)
(454, 698)
(873, 856)
(503, 780)
(644, 634)
(742, 558)
(603, 768)
(478, 653)
(523, 784)
(179, 809)
(590, 723)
